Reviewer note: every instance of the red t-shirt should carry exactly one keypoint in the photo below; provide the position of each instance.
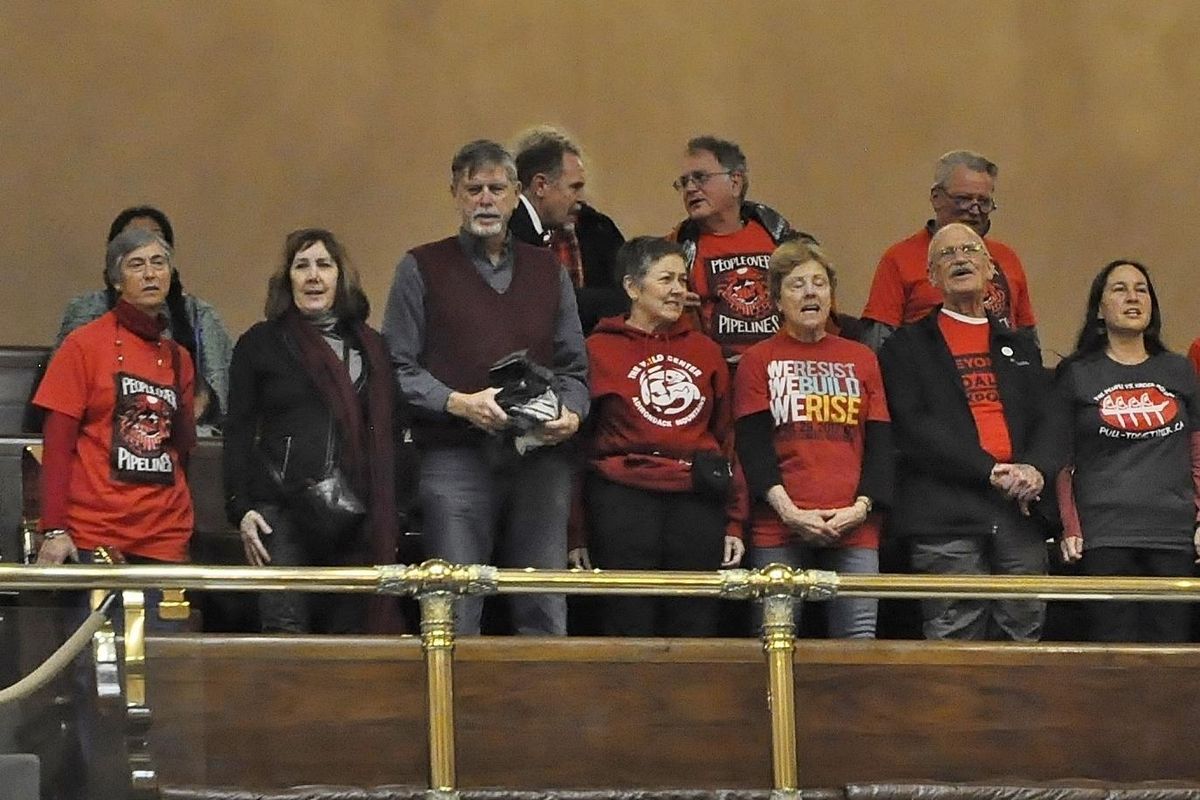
(1194, 355)
(970, 344)
(730, 275)
(901, 292)
(820, 396)
(127, 486)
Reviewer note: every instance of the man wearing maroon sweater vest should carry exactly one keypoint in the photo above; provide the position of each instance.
(456, 306)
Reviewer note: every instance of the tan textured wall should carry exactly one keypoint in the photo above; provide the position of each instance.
(246, 119)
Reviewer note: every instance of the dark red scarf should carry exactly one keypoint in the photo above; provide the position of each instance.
(368, 448)
(144, 326)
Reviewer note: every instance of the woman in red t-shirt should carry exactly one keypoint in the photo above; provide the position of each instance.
(813, 437)
(119, 424)
(660, 491)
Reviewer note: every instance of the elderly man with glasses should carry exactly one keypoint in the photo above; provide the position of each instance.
(964, 185)
(728, 242)
(978, 445)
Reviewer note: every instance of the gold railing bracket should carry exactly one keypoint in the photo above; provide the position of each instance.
(437, 575)
(736, 584)
(437, 640)
(819, 584)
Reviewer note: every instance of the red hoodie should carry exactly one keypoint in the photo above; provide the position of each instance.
(657, 399)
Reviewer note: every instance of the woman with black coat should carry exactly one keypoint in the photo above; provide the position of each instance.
(311, 403)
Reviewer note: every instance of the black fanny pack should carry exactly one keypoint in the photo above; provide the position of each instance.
(711, 474)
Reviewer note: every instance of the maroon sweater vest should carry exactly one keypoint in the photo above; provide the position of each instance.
(469, 325)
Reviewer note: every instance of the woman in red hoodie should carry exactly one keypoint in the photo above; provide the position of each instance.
(660, 492)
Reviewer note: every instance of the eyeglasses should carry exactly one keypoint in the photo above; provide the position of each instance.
(967, 249)
(963, 202)
(698, 178)
(141, 266)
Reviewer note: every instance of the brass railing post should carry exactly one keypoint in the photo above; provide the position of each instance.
(437, 641)
(437, 586)
(779, 643)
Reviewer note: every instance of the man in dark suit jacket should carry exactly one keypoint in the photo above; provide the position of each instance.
(979, 446)
(551, 210)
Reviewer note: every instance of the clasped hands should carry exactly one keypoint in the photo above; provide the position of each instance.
(1020, 482)
(818, 526)
(481, 410)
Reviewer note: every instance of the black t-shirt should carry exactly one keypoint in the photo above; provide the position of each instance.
(1132, 450)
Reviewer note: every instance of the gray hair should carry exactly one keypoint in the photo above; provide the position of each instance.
(125, 243)
(541, 150)
(479, 154)
(728, 154)
(966, 158)
(635, 257)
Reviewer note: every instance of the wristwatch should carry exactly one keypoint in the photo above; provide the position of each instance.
(54, 533)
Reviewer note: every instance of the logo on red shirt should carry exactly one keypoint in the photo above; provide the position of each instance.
(668, 395)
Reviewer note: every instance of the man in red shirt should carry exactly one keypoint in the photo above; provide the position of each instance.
(964, 185)
(728, 243)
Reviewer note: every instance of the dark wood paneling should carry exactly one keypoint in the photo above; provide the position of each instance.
(268, 713)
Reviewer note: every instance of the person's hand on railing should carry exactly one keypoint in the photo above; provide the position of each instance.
(253, 527)
(577, 558)
(57, 549)
(734, 551)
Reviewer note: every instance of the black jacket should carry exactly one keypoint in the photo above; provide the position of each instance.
(277, 415)
(599, 239)
(942, 480)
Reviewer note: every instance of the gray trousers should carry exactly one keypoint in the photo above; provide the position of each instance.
(1013, 546)
(509, 511)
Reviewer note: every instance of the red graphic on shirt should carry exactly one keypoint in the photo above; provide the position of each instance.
(744, 290)
(141, 431)
(1138, 409)
(995, 300)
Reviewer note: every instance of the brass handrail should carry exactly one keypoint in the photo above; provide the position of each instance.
(744, 584)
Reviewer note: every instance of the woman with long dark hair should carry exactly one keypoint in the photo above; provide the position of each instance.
(1129, 498)
(191, 322)
(311, 403)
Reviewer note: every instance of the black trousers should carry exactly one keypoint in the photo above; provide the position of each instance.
(1116, 621)
(293, 544)
(639, 529)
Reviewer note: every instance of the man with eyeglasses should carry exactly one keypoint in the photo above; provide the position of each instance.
(728, 243)
(978, 445)
(963, 191)
(552, 214)
(490, 486)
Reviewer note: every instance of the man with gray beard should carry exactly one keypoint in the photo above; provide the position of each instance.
(457, 306)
